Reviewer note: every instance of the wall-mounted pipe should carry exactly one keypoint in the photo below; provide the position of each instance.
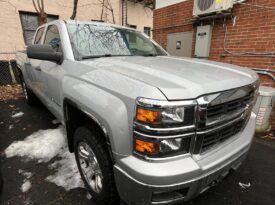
(265, 72)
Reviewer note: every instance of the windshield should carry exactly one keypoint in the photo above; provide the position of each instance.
(91, 41)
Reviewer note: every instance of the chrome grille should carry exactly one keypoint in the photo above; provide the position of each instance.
(221, 116)
(229, 107)
(220, 135)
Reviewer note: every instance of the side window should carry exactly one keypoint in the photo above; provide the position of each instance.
(38, 36)
(138, 43)
(53, 38)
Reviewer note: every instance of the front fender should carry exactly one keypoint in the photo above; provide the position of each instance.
(110, 98)
(108, 109)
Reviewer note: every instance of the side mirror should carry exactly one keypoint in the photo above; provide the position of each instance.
(44, 52)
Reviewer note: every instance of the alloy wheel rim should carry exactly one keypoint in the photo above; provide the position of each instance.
(90, 167)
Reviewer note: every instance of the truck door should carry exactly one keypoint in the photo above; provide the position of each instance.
(32, 66)
(51, 74)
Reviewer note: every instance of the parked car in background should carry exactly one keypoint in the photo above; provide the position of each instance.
(145, 126)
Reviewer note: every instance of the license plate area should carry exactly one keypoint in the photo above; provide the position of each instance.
(213, 180)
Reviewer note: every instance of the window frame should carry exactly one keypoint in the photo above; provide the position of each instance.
(149, 28)
(21, 13)
(45, 34)
(36, 33)
(132, 26)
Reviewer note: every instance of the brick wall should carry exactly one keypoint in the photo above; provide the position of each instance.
(253, 31)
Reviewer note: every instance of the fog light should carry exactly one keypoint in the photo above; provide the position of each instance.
(146, 147)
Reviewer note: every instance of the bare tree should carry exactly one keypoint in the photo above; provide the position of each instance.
(39, 8)
(102, 10)
(106, 4)
(74, 10)
(110, 8)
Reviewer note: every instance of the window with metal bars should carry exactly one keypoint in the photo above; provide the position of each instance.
(29, 22)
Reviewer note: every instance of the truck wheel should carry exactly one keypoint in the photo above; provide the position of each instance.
(95, 165)
(29, 95)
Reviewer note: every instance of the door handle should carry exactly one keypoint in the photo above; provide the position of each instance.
(37, 68)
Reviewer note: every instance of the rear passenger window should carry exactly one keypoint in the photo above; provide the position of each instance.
(38, 36)
(53, 38)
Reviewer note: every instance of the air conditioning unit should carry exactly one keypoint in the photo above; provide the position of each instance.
(202, 7)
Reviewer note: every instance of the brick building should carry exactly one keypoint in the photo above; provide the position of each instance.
(243, 35)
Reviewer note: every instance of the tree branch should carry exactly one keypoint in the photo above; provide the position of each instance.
(42, 3)
(39, 6)
(35, 7)
(102, 10)
(74, 10)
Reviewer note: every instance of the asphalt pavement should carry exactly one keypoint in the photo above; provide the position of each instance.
(258, 170)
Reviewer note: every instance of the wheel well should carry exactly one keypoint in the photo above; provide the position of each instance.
(74, 118)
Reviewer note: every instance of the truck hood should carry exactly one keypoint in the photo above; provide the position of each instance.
(178, 78)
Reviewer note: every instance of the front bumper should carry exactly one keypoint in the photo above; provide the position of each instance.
(179, 179)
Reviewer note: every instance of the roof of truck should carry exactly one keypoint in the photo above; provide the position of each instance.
(90, 22)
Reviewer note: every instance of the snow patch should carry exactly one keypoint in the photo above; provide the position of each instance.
(43, 146)
(16, 115)
(67, 174)
(26, 186)
(25, 174)
(244, 186)
(10, 127)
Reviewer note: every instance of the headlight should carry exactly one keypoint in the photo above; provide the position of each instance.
(171, 115)
(154, 115)
(164, 113)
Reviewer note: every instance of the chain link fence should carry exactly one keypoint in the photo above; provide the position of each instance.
(8, 69)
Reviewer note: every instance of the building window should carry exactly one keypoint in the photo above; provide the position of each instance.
(147, 30)
(132, 26)
(29, 22)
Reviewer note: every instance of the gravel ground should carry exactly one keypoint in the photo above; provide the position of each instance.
(258, 169)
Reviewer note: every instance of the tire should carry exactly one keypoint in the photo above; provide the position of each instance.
(29, 95)
(87, 139)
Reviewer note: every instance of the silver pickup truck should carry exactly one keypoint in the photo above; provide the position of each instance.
(145, 127)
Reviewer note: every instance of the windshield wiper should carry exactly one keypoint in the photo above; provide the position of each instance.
(96, 56)
(101, 56)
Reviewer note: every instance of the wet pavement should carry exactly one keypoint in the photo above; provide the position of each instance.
(258, 169)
